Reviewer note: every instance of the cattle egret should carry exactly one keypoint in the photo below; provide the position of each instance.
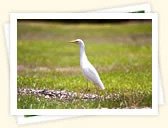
(87, 68)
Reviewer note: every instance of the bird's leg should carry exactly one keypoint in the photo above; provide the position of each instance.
(86, 88)
(85, 91)
(97, 92)
(100, 93)
(98, 97)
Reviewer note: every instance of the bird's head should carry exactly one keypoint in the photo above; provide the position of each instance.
(77, 41)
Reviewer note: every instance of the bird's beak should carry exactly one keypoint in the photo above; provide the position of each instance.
(72, 41)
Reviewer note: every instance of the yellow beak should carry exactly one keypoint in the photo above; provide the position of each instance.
(72, 41)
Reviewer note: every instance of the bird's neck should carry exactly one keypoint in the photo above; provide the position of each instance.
(82, 53)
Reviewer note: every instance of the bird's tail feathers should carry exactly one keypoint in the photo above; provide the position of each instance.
(101, 85)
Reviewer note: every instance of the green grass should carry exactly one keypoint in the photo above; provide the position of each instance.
(120, 52)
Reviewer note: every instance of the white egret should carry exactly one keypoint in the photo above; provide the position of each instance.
(87, 68)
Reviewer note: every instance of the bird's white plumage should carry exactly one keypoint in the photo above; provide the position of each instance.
(87, 68)
(91, 74)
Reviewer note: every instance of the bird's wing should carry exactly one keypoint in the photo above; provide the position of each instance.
(91, 74)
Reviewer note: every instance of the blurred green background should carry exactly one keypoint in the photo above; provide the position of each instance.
(120, 50)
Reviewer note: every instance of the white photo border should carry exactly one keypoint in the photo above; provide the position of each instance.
(13, 64)
(127, 9)
(146, 8)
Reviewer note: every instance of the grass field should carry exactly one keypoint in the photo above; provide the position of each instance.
(121, 53)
